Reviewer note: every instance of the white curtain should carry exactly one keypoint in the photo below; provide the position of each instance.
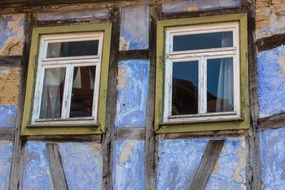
(225, 96)
(52, 93)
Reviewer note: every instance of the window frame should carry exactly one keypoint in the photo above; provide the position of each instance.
(31, 125)
(205, 122)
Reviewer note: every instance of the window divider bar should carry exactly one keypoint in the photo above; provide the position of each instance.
(67, 91)
(202, 99)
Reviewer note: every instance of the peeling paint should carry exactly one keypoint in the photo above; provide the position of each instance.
(128, 165)
(73, 15)
(83, 165)
(132, 93)
(271, 82)
(12, 34)
(6, 153)
(127, 150)
(272, 159)
(198, 5)
(230, 168)
(178, 162)
(134, 27)
(36, 173)
(7, 116)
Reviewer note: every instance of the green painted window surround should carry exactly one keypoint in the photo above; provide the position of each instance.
(97, 128)
(241, 123)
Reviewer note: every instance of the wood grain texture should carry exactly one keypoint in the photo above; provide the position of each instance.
(56, 168)
(7, 134)
(108, 136)
(209, 159)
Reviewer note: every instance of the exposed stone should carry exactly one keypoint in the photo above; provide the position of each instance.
(270, 17)
(9, 85)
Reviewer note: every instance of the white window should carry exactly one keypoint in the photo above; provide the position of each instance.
(67, 82)
(202, 72)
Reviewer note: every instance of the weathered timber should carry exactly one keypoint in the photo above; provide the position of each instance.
(108, 136)
(209, 159)
(7, 133)
(201, 13)
(133, 54)
(253, 176)
(56, 168)
(130, 133)
(270, 42)
(17, 163)
(150, 143)
(64, 138)
(275, 121)
(212, 134)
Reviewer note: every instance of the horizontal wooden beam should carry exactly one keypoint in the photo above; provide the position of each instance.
(275, 121)
(7, 133)
(64, 138)
(271, 42)
(133, 54)
(130, 133)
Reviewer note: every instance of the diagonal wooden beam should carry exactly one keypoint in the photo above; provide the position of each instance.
(57, 172)
(209, 159)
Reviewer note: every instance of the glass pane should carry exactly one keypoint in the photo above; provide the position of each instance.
(82, 91)
(68, 49)
(185, 88)
(220, 92)
(203, 41)
(52, 93)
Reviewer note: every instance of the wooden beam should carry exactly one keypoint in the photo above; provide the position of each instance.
(130, 133)
(270, 42)
(133, 54)
(7, 134)
(56, 168)
(209, 159)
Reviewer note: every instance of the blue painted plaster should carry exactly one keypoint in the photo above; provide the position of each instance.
(134, 27)
(132, 93)
(11, 34)
(83, 165)
(7, 116)
(271, 81)
(230, 168)
(128, 165)
(198, 5)
(272, 154)
(37, 173)
(73, 15)
(178, 162)
(6, 153)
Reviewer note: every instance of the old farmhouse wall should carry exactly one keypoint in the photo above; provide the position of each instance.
(130, 155)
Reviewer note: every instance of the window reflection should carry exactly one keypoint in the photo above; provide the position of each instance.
(52, 93)
(220, 85)
(185, 88)
(82, 91)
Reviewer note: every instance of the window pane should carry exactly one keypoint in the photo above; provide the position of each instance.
(52, 93)
(82, 91)
(203, 41)
(185, 88)
(220, 91)
(68, 49)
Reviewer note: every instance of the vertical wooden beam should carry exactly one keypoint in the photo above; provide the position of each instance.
(150, 141)
(209, 159)
(56, 168)
(17, 163)
(253, 175)
(108, 136)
